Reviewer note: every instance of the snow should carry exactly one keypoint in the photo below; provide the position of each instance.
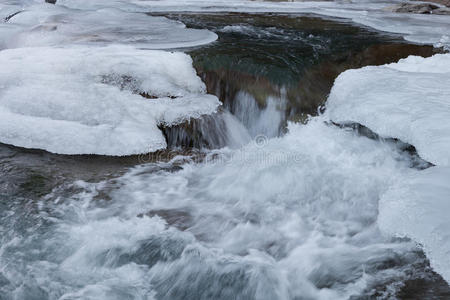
(84, 100)
(408, 100)
(418, 208)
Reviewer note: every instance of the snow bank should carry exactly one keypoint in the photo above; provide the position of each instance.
(408, 100)
(86, 100)
(44, 25)
(418, 208)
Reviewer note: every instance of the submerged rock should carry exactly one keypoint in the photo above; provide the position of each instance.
(177, 218)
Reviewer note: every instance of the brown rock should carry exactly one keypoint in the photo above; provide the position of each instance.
(422, 8)
(442, 2)
(442, 11)
(434, 7)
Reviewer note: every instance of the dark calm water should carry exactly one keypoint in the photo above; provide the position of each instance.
(285, 217)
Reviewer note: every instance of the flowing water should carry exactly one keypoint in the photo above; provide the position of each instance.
(254, 208)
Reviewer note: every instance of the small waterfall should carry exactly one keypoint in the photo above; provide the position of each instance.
(243, 118)
(260, 119)
(214, 131)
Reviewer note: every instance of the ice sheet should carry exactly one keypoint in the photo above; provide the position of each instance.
(44, 25)
(408, 100)
(85, 100)
(433, 29)
(418, 208)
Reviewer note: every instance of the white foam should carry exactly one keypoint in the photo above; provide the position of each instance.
(284, 218)
(418, 208)
(408, 100)
(70, 101)
(309, 199)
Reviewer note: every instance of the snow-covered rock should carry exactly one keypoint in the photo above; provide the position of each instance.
(84, 100)
(408, 100)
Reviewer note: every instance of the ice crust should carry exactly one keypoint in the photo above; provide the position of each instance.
(84, 100)
(63, 91)
(418, 208)
(432, 29)
(46, 25)
(408, 100)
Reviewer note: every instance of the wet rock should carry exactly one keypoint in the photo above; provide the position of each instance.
(209, 131)
(129, 83)
(442, 2)
(12, 15)
(421, 8)
(51, 1)
(149, 252)
(3, 280)
(207, 278)
(431, 287)
(442, 11)
(180, 219)
(152, 251)
(407, 149)
(36, 184)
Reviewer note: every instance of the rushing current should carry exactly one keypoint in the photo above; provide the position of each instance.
(263, 197)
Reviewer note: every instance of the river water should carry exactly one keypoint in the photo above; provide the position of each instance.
(269, 201)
